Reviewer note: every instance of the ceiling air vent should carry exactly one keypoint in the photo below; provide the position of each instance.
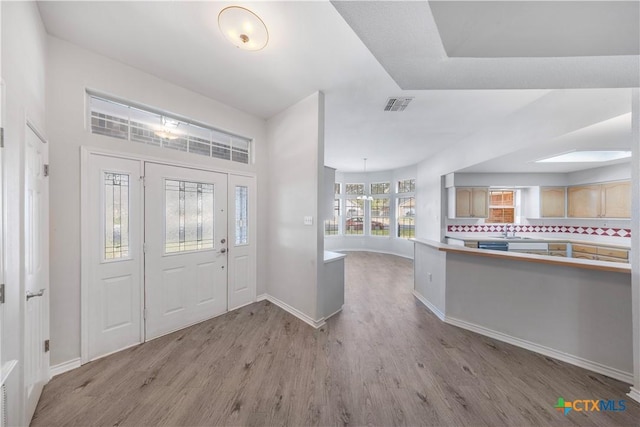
(397, 104)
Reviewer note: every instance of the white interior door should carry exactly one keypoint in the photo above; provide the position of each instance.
(242, 241)
(36, 266)
(185, 247)
(112, 258)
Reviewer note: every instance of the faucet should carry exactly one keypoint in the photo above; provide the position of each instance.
(513, 230)
(505, 232)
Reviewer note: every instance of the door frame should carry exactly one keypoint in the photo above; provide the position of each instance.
(85, 243)
(31, 126)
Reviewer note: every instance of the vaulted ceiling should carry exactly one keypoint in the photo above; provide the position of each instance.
(477, 71)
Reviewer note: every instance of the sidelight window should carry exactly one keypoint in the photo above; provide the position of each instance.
(242, 215)
(189, 216)
(116, 216)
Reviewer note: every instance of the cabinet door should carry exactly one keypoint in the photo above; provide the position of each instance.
(480, 203)
(463, 202)
(552, 202)
(584, 201)
(616, 200)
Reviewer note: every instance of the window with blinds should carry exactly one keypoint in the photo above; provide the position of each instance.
(120, 120)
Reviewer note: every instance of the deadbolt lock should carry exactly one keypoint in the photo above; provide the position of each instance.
(223, 241)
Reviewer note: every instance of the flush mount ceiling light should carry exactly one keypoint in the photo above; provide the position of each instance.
(587, 157)
(243, 28)
(364, 197)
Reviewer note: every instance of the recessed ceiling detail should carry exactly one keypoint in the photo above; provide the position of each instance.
(397, 104)
(503, 29)
(419, 50)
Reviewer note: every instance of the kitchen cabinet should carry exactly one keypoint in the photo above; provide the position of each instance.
(607, 200)
(558, 249)
(469, 202)
(599, 253)
(552, 202)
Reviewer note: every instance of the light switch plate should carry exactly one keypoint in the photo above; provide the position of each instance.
(308, 220)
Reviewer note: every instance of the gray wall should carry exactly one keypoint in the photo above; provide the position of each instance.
(71, 70)
(585, 313)
(295, 161)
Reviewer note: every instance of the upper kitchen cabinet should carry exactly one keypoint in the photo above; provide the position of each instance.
(552, 202)
(468, 202)
(607, 200)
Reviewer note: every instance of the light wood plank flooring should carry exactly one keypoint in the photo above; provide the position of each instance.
(385, 360)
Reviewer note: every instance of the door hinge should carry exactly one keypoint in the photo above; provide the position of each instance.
(1, 137)
(144, 313)
(143, 180)
(46, 169)
(2, 293)
(46, 345)
(144, 248)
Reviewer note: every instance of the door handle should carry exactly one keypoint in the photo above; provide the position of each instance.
(37, 294)
(223, 250)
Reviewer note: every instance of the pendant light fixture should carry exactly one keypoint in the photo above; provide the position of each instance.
(243, 28)
(364, 196)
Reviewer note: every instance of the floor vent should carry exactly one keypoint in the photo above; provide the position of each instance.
(397, 104)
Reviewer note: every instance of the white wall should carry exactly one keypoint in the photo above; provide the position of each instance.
(23, 70)
(617, 172)
(71, 70)
(391, 244)
(295, 250)
(635, 238)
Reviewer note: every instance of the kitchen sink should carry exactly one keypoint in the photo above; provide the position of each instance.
(512, 237)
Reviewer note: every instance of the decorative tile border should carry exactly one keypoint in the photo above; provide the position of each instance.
(570, 229)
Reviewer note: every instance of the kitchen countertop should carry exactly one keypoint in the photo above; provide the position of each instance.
(332, 256)
(540, 259)
(535, 240)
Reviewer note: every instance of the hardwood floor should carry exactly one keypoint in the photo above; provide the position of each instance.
(384, 360)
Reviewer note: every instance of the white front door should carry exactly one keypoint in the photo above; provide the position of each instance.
(36, 270)
(112, 216)
(186, 244)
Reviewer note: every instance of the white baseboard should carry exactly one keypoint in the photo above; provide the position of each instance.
(374, 251)
(333, 314)
(435, 310)
(294, 311)
(61, 368)
(618, 374)
(261, 297)
(634, 394)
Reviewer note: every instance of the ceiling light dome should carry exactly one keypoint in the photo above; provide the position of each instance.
(243, 28)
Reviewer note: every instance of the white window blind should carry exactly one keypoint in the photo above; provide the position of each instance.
(124, 121)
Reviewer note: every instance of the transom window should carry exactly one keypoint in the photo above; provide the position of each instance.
(380, 188)
(354, 189)
(121, 120)
(407, 186)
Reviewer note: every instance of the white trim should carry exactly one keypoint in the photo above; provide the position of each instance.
(634, 393)
(618, 374)
(294, 311)
(163, 161)
(6, 370)
(371, 250)
(63, 367)
(435, 310)
(262, 297)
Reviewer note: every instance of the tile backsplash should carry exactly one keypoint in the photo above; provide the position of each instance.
(530, 228)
